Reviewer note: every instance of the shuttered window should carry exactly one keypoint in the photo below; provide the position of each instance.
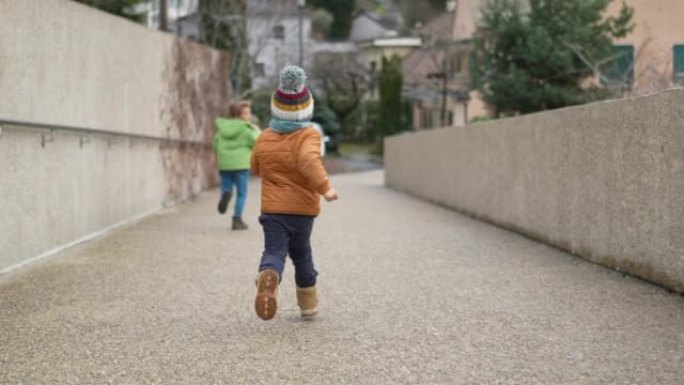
(279, 32)
(621, 71)
(678, 63)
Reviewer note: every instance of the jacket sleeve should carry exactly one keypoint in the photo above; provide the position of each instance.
(310, 164)
(252, 137)
(254, 162)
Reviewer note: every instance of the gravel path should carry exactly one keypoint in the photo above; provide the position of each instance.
(411, 293)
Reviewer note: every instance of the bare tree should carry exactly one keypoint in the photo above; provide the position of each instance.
(223, 26)
(342, 79)
(442, 52)
(651, 76)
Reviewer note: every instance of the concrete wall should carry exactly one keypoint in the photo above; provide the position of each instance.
(65, 63)
(603, 181)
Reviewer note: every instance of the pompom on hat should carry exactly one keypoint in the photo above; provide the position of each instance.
(292, 100)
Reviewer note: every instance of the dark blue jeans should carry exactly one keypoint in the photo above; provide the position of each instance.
(289, 234)
(240, 179)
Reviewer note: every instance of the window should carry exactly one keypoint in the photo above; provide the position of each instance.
(460, 59)
(450, 119)
(678, 63)
(621, 72)
(432, 118)
(279, 32)
(474, 69)
(456, 62)
(260, 70)
(426, 118)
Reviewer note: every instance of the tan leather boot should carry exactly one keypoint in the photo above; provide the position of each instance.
(266, 302)
(307, 301)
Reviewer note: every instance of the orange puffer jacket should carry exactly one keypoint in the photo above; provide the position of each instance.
(291, 170)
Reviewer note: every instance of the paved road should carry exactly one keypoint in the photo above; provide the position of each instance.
(410, 294)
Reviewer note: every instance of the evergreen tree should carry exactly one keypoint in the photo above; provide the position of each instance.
(421, 11)
(123, 8)
(321, 22)
(541, 59)
(391, 83)
(342, 11)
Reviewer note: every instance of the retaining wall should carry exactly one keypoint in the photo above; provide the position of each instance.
(603, 181)
(64, 63)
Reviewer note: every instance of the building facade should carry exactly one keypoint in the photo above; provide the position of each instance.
(649, 59)
(176, 10)
(437, 75)
(273, 33)
(368, 26)
(653, 54)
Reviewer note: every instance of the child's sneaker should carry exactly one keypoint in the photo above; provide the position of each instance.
(238, 224)
(223, 203)
(307, 301)
(266, 302)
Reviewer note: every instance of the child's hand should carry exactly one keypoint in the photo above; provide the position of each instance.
(331, 195)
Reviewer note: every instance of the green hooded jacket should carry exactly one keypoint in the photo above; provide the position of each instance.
(233, 144)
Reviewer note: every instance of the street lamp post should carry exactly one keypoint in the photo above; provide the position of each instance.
(163, 16)
(301, 4)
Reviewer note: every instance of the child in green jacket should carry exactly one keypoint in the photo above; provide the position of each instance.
(233, 144)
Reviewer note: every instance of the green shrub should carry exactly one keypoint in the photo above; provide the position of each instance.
(481, 118)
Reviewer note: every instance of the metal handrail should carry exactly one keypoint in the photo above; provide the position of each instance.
(94, 131)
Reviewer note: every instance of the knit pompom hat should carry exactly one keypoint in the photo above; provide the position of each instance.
(292, 100)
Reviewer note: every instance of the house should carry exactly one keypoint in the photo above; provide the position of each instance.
(272, 32)
(187, 26)
(431, 95)
(653, 53)
(176, 11)
(369, 25)
(377, 36)
(372, 52)
(273, 38)
(649, 59)
(437, 75)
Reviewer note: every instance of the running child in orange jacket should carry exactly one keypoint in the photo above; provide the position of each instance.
(287, 156)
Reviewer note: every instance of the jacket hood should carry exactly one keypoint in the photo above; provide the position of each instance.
(231, 128)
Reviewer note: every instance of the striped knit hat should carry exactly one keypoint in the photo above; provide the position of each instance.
(292, 100)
